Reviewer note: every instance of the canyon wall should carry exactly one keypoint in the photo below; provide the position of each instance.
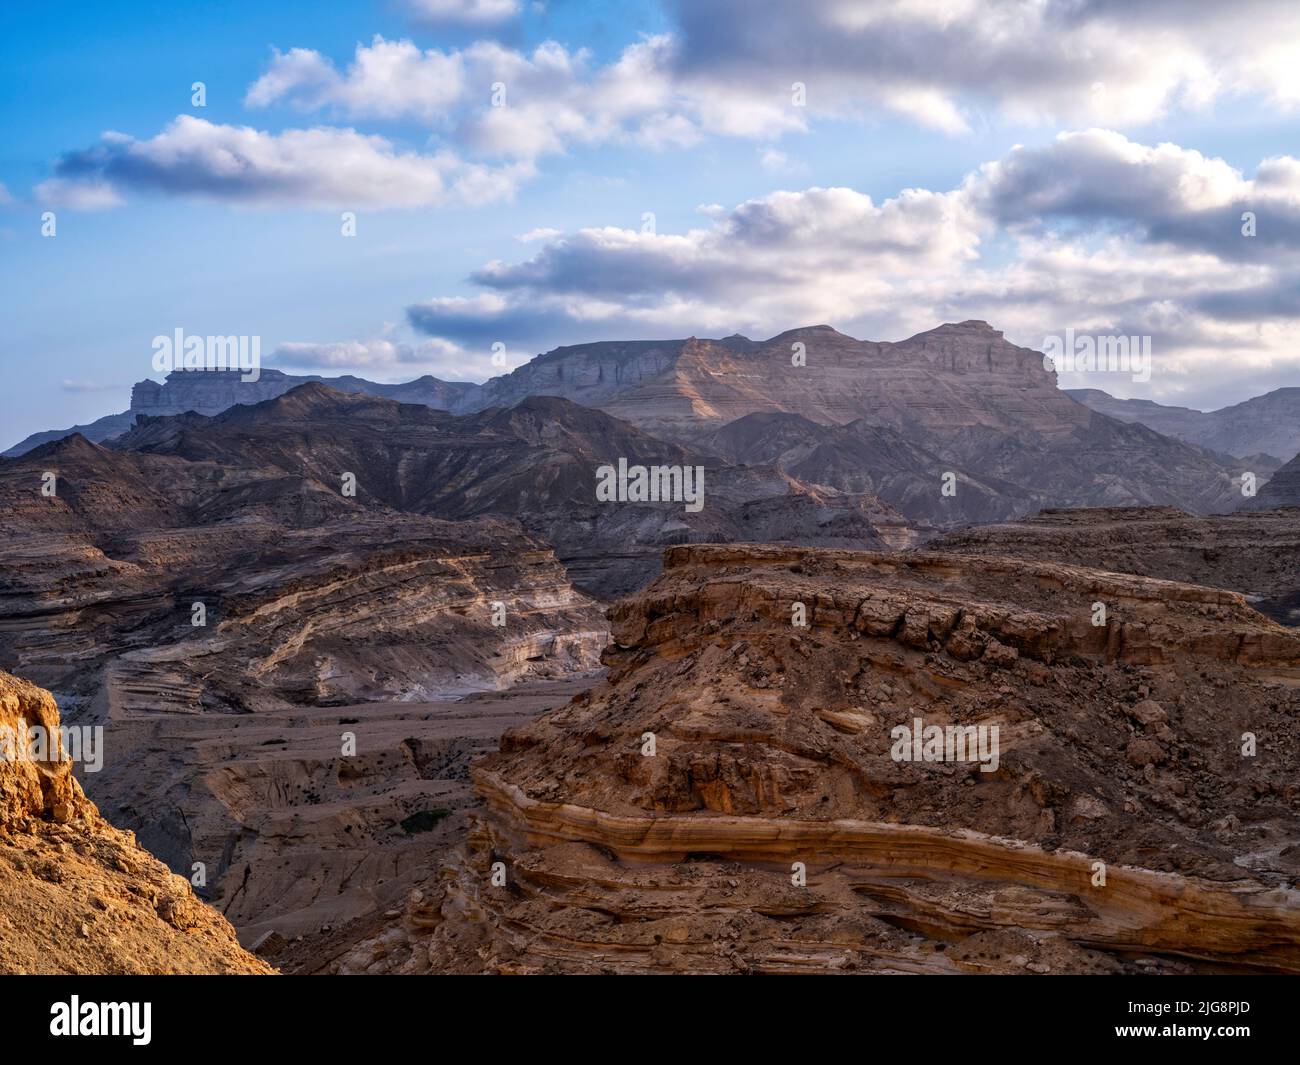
(772, 826)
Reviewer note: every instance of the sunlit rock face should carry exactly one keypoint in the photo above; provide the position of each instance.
(76, 894)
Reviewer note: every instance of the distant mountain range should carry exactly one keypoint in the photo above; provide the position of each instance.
(1268, 425)
(957, 404)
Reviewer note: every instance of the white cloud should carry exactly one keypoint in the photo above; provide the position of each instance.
(467, 12)
(78, 194)
(1093, 232)
(393, 359)
(941, 63)
(387, 79)
(322, 167)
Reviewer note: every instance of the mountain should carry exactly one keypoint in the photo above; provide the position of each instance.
(776, 753)
(221, 621)
(1282, 490)
(1266, 426)
(997, 473)
(956, 400)
(310, 597)
(212, 391)
(535, 462)
(326, 614)
(956, 376)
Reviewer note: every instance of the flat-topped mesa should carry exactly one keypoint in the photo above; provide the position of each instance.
(77, 895)
(757, 724)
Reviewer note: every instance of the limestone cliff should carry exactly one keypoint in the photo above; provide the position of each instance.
(76, 894)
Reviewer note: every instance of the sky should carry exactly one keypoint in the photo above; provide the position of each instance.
(529, 174)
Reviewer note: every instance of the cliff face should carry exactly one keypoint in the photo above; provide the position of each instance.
(1282, 489)
(308, 596)
(77, 895)
(774, 827)
(956, 375)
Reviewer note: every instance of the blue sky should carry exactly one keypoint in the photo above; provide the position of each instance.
(1080, 167)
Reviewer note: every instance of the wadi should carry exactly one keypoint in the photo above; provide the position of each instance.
(296, 682)
(679, 487)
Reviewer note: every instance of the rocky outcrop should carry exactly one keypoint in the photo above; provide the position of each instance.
(1256, 553)
(306, 821)
(734, 798)
(77, 895)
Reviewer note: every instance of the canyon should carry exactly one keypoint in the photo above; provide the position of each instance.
(379, 661)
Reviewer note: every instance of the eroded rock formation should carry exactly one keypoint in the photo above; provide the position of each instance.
(1121, 752)
(76, 894)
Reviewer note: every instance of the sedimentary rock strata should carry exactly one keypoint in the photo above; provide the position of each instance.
(1256, 553)
(76, 894)
(888, 419)
(775, 828)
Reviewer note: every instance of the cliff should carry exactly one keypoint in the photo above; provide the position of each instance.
(77, 895)
(1120, 829)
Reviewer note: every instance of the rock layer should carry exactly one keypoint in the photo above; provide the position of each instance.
(1255, 553)
(1120, 744)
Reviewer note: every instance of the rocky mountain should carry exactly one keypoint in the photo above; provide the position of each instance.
(1254, 553)
(995, 474)
(956, 376)
(1282, 490)
(211, 392)
(78, 896)
(736, 797)
(323, 614)
(536, 462)
(307, 597)
(1266, 426)
(959, 399)
(221, 622)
